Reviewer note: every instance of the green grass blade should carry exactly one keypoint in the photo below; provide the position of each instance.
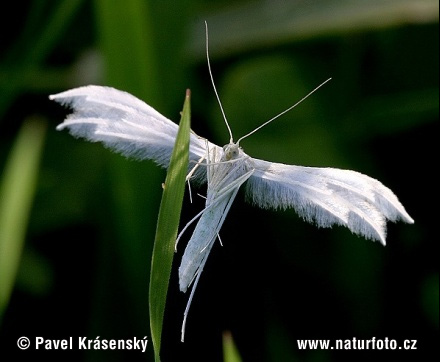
(17, 190)
(230, 351)
(167, 226)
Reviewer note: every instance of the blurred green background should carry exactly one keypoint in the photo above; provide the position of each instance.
(77, 222)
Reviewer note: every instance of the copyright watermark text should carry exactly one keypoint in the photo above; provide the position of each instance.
(84, 343)
(357, 344)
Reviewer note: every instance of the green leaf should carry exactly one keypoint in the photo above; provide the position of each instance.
(167, 226)
(17, 191)
(230, 351)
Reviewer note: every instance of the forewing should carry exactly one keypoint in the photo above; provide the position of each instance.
(327, 196)
(124, 124)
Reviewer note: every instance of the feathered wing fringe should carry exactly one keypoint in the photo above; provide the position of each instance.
(124, 124)
(327, 196)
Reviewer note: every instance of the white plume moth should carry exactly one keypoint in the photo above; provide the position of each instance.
(325, 196)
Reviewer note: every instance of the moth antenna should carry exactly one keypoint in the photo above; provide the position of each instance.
(283, 112)
(190, 193)
(219, 239)
(213, 84)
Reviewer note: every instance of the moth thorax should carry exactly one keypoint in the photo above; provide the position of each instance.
(232, 151)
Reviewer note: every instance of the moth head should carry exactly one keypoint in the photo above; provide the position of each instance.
(232, 151)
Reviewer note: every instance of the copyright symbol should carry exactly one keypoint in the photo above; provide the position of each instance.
(23, 343)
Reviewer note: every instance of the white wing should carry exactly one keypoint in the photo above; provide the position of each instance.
(327, 196)
(124, 124)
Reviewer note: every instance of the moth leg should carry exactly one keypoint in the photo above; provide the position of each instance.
(219, 239)
(236, 183)
(197, 216)
(188, 304)
(190, 193)
(190, 174)
(186, 227)
(198, 163)
(221, 195)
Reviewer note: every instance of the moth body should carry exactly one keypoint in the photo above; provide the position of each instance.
(227, 170)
